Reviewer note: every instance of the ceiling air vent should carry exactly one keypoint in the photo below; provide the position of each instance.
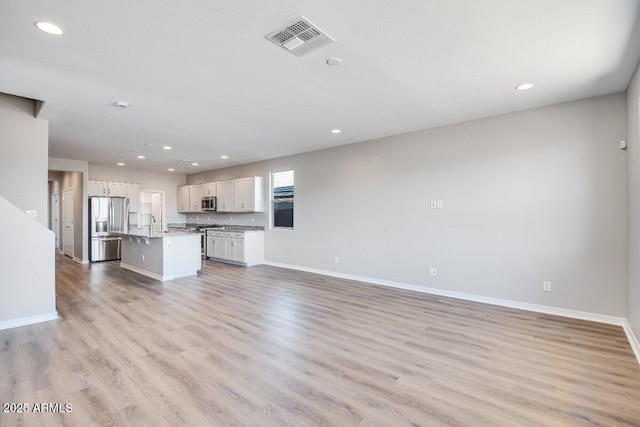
(299, 37)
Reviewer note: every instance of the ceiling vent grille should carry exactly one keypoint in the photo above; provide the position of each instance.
(300, 37)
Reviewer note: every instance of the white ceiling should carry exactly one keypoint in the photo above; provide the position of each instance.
(200, 76)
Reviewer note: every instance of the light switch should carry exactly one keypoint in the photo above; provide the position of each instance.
(32, 214)
(434, 204)
(439, 204)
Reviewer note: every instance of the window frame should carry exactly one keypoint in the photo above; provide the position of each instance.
(272, 213)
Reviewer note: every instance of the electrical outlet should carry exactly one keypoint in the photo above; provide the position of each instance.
(434, 204)
(336, 260)
(439, 204)
(433, 271)
(546, 286)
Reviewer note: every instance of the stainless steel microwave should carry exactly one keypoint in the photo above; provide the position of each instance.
(209, 203)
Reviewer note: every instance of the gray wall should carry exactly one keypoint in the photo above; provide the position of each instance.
(167, 182)
(533, 196)
(27, 294)
(24, 141)
(633, 183)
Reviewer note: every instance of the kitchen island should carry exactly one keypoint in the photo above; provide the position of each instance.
(161, 255)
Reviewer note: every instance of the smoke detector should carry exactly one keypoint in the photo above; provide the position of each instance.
(300, 37)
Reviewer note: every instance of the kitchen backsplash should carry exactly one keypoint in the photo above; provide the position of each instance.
(257, 219)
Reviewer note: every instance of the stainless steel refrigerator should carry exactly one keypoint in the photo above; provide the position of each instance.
(109, 218)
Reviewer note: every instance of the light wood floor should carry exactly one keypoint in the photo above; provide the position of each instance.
(264, 346)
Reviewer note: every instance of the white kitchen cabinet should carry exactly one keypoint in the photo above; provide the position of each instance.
(244, 248)
(211, 246)
(234, 246)
(183, 199)
(116, 189)
(210, 189)
(133, 193)
(215, 244)
(249, 194)
(234, 195)
(226, 196)
(195, 198)
(97, 188)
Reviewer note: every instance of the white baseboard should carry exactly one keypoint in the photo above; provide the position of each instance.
(80, 261)
(145, 272)
(633, 341)
(29, 320)
(575, 314)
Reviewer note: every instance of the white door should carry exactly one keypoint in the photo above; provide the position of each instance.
(55, 217)
(67, 222)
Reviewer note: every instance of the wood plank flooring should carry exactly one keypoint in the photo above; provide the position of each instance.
(264, 346)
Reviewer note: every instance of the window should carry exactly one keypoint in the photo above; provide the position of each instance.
(282, 198)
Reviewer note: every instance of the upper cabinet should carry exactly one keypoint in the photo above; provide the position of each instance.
(234, 195)
(183, 198)
(248, 194)
(116, 189)
(195, 198)
(210, 189)
(226, 196)
(97, 188)
(190, 198)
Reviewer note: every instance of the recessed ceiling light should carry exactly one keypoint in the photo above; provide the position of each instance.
(167, 147)
(334, 61)
(524, 86)
(147, 145)
(120, 164)
(336, 131)
(133, 150)
(194, 164)
(121, 104)
(49, 28)
(171, 169)
(141, 157)
(224, 157)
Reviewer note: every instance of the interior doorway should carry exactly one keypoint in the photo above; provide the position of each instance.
(152, 210)
(67, 222)
(55, 218)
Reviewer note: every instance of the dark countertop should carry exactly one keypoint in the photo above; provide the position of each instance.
(225, 227)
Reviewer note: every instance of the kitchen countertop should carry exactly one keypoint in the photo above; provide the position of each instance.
(151, 234)
(225, 227)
